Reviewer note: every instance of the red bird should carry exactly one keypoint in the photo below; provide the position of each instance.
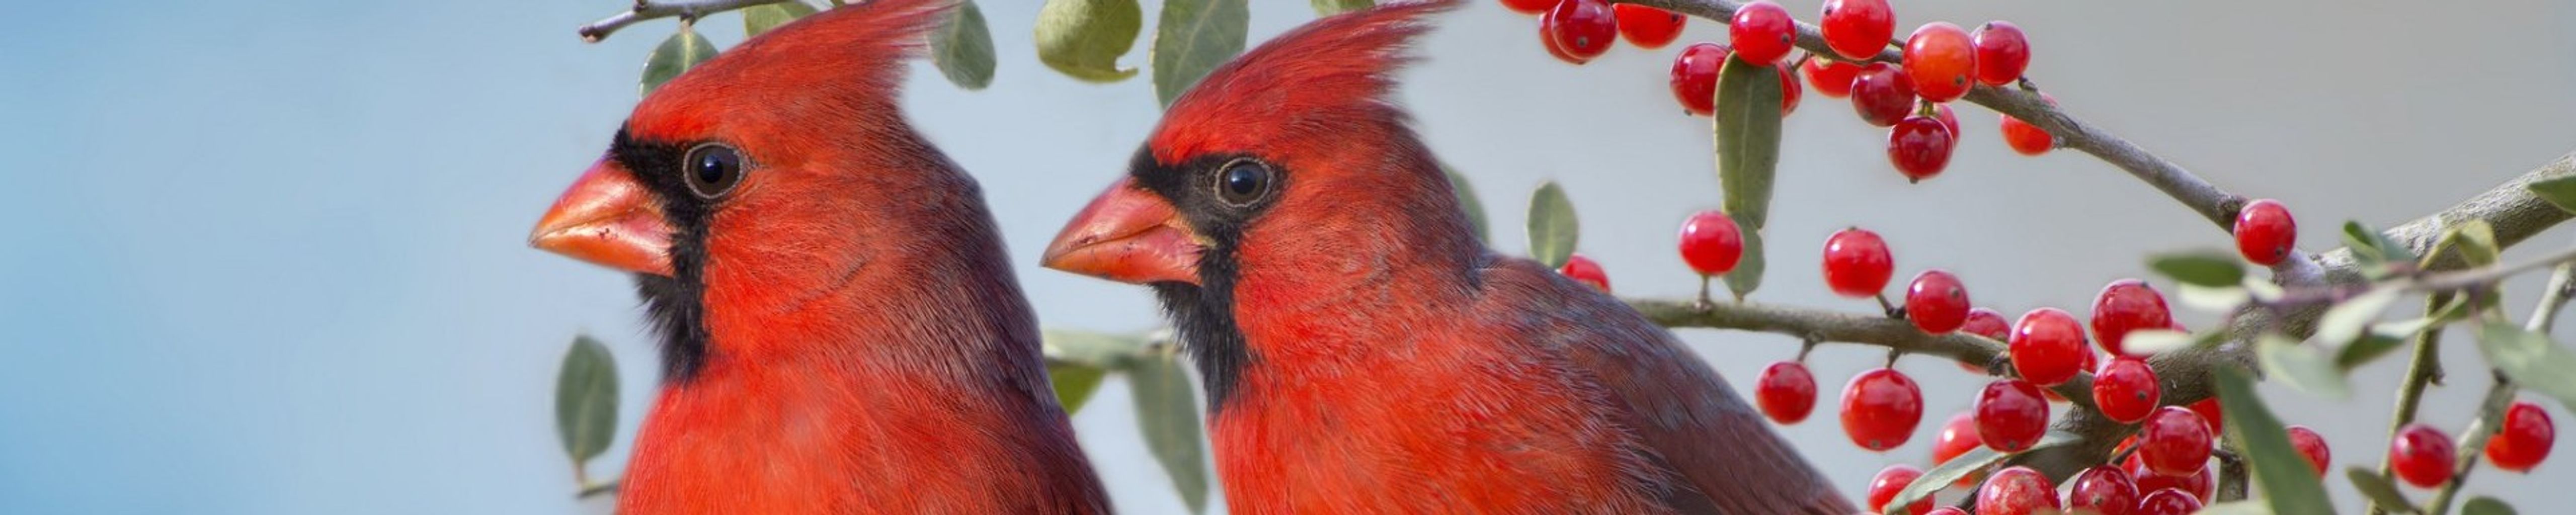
(840, 329)
(1364, 353)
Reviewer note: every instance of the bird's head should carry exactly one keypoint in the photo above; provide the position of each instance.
(784, 161)
(1291, 153)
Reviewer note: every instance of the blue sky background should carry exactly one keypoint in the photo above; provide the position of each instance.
(268, 257)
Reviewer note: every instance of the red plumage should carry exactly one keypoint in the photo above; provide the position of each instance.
(1366, 353)
(841, 327)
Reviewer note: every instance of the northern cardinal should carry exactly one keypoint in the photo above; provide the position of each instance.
(1364, 353)
(839, 326)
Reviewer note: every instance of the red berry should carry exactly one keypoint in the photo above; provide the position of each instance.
(1957, 436)
(2265, 233)
(1694, 77)
(2047, 346)
(2127, 305)
(1584, 29)
(1831, 78)
(1789, 90)
(2524, 438)
(1889, 482)
(2016, 491)
(2209, 410)
(1940, 58)
(1987, 323)
(2311, 446)
(1711, 243)
(1583, 270)
(1857, 29)
(1648, 27)
(1949, 119)
(1762, 32)
(2169, 501)
(2010, 415)
(2199, 485)
(1856, 263)
(1936, 302)
(1529, 6)
(2421, 455)
(1547, 39)
(2174, 442)
(2126, 390)
(2029, 140)
(2002, 53)
(1785, 392)
(1882, 94)
(1880, 409)
(2103, 490)
(1919, 146)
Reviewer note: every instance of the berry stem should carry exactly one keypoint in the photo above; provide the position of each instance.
(2424, 369)
(2232, 475)
(2473, 441)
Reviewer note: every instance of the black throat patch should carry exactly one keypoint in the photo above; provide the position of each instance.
(1203, 314)
(676, 305)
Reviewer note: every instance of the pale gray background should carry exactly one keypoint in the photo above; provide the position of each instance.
(269, 257)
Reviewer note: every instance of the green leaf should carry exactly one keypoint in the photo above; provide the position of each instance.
(2219, 299)
(1074, 383)
(1194, 37)
(1333, 7)
(2347, 320)
(2559, 191)
(1747, 128)
(2378, 490)
(2531, 360)
(760, 18)
(1963, 465)
(586, 399)
(1467, 202)
(1167, 412)
(2372, 249)
(2483, 505)
(681, 52)
(2236, 508)
(1748, 270)
(2300, 366)
(1552, 229)
(2200, 267)
(962, 48)
(2478, 242)
(2157, 341)
(2363, 350)
(2282, 477)
(1083, 38)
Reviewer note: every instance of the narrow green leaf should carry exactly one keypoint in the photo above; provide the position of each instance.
(1074, 383)
(1194, 37)
(1083, 38)
(2366, 349)
(681, 52)
(2236, 508)
(2372, 249)
(2478, 242)
(586, 399)
(962, 48)
(2483, 505)
(2559, 191)
(1747, 275)
(1467, 202)
(1747, 128)
(1167, 412)
(2346, 321)
(2157, 341)
(2301, 366)
(2531, 360)
(1092, 349)
(1940, 477)
(2282, 477)
(2215, 299)
(1333, 7)
(2378, 490)
(2200, 267)
(760, 18)
(1552, 228)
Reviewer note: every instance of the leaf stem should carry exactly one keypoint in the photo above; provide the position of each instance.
(2474, 441)
(652, 9)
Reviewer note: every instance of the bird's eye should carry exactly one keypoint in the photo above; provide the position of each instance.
(1243, 182)
(712, 169)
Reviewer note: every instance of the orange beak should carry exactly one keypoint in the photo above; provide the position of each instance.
(1127, 235)
(608, 219)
